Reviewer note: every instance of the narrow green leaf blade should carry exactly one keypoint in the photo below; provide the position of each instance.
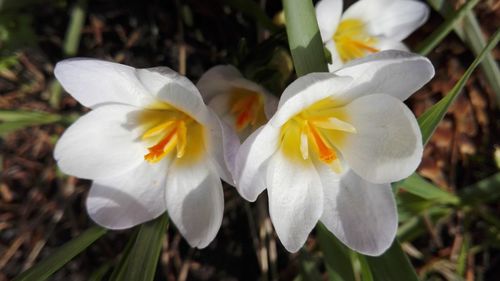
(12, 120)
(439, 34)
(304, 38)
(484, 191)
(393, 265)
(61, 256)
(336, 255)
(142, 259)
(431, 118)
(417, 185)
(470, 32)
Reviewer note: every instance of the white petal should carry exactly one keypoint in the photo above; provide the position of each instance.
(361, 214)
(396, 73)
(94, 82)
(175, 89)
(399, 20)
(388, 144)
(223, 144)
(328, 15)
(195, 201)
(251, 161)
(216, 81)
(131, 198)
(295, 199)
(101, 144)
(305, 91)
(391, 19)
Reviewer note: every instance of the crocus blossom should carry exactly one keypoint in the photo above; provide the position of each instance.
(149, 144)
(332, 149)
(367, 26)
(242, 104)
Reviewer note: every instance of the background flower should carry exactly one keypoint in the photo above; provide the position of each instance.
(367, 26)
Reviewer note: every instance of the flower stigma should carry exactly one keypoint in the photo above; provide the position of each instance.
(167, 129)
(353, 41)
(320, 129)
(247, 107)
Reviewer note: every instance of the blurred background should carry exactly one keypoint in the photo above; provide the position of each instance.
(40, 208)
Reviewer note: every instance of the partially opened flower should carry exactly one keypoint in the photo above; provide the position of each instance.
(149, 144)
(366, 27)
(332, 149)
(241, 103)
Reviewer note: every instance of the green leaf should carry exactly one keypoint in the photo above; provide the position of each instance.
(417, 185)
(11, 120)
(470, 32)
(62, 255)
(336, 255)
(366, 273)
(486, 190)
(304, 38)
(431, 118)
(393, 265)
(439, 34)
(308, 268)
(142, 259)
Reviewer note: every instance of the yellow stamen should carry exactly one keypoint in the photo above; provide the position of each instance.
(167, 128)
(320, 127)
(352, 40)
(247, 107)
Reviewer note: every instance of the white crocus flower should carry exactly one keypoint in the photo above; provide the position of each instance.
(332, 149)
(242, 104)
(149, 144)
(366, 27)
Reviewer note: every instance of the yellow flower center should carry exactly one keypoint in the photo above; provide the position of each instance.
(167, 129)
(247, 107)
(353, 41)
(319, 129)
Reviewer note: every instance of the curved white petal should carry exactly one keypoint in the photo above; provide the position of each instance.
(361, 214)
(195, 201)
(387, 146)
(94, 82)
(131, 198)
(391, 19)
(101, 144)
(295, 199)
(174, 89)
(305, 91)
(216, 80)
(392, 72)
(223, 144)
(399, 19)
(251, 161)
(328, 14)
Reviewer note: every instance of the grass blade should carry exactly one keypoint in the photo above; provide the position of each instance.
(142, 259)
(470, 32)
(417, 185)
(336, 255)
(431, 118)
(61, 256)
(11, 120)
(439, 34)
